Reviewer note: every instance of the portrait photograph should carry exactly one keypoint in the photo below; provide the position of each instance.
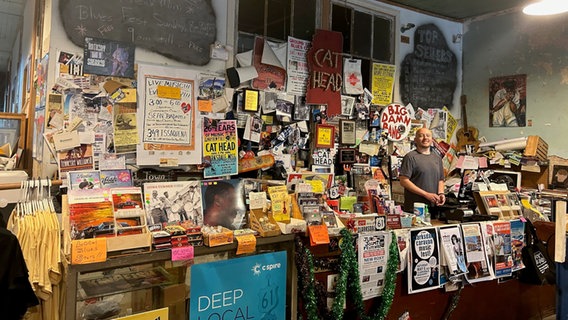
(508, 101)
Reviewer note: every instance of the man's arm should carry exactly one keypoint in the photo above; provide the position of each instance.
(410, 186)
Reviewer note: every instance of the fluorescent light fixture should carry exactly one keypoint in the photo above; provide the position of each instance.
(546, 7)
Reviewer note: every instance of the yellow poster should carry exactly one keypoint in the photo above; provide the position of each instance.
(159, 314)
(383, 83)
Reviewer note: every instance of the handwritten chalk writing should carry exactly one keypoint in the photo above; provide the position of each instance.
(88, 12)
(128, 16)
(180, 29)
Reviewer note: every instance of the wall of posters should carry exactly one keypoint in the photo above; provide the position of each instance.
(220, 152)
(259, 292)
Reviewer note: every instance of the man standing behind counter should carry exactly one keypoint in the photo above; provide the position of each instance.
(422, 174)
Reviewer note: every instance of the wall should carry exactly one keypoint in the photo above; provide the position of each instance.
(404, 16)
(58, 40)
(511, 44)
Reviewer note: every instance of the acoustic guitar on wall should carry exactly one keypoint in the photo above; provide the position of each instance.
(466, 135)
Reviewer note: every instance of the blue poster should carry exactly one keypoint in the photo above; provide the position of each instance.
(253, 287)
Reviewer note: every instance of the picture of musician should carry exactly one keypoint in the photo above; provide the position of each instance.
(508, 107)
(157, 213)
(119, 61)
(192, 205)
(220, 205)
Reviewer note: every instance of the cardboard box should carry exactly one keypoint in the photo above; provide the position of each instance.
(218, 239)
(536, 148)
(255, 216)
(131, 241)
(294, 226)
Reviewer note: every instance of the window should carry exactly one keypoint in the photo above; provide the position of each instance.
(366, 36)
(275, 20)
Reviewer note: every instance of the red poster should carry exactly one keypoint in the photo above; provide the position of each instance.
(271, 74)
(325, 64)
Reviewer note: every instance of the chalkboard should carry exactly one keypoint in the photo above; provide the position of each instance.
(179, 29)
(428, 76)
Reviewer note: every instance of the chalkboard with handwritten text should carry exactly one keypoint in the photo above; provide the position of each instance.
(428, 76)
(179, 29)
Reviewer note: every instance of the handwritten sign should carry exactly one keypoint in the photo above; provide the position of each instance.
(428, 76)
(182, 30)
(159, 314)
(88, 251)
(246, 243)
(182, 253)
(169, 120)
(318, 235)
(326, 64)
(395, 119)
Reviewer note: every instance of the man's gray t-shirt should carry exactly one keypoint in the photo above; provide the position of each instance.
(425, 171)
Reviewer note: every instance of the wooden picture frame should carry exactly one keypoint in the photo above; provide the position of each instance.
(13, 130)
(325, 136)
(347, 132)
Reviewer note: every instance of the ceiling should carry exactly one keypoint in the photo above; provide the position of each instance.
(460, 9)
(11, 15)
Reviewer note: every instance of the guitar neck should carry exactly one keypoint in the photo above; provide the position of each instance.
(463, 101)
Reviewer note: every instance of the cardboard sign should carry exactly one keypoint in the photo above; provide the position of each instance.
(182, 253)
(161, 314)
(396, 119)
(318, 235)
(88, 251)
(246, 243)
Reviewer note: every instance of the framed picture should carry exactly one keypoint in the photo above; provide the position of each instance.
(12, 132)
(559, 177)
(511, 178)
(346, 155)
(347, 103)
(325, 136)
(347, 132)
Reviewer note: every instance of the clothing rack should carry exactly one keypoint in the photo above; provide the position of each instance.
(17, 185)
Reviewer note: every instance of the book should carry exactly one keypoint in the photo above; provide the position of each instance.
(116, 178)
(88, 179)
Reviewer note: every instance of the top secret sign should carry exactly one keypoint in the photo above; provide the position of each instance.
(395, 120)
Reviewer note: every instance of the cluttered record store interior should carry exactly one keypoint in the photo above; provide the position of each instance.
(283, 159)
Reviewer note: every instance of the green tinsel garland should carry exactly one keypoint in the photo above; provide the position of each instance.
(348, 279)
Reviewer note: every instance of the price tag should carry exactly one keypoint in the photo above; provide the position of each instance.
(318, 235)
(88, 251)
(167, 92)
(182, 253)
(246, 243)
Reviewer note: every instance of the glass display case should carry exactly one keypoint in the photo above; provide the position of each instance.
(147, 281)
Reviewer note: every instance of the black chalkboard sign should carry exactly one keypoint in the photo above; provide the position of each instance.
(179, 29)
(428, 76)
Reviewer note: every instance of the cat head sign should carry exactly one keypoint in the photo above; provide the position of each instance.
(395, 120)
